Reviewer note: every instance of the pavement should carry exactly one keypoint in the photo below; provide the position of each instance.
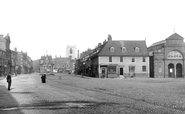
(2, 77)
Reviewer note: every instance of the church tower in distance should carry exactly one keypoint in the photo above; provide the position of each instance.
(71, 51)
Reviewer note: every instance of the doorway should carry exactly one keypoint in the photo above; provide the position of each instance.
(179, 70)
(121, 71)
(171, 73)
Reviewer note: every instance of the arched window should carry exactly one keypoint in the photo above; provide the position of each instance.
(174, 55)
(111, 49)
(123, 49)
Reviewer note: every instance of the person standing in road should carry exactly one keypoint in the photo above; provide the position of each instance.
(9, 80)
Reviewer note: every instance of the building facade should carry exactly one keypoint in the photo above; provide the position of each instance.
(46, 64)
(64, 64)
(117, 58)
(24, 63)
(5, 54)
(167, 57)
(14, 61)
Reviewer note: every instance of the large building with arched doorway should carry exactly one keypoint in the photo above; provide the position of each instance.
(167, 58)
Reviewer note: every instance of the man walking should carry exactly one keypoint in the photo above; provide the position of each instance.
(9, 80)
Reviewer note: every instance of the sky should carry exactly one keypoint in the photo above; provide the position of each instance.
(40, 26)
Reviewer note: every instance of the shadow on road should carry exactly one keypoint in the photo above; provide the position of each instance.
(7, 102)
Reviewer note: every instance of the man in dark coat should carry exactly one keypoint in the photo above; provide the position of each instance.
(43, 78)
(9, 80)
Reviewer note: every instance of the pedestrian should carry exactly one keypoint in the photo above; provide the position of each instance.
(43, 78)
(9, 80)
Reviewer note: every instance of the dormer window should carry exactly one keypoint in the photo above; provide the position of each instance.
(112, 49)
(123, 49)
(136, 49)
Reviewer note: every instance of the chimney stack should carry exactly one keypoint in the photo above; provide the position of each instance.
(109, 37)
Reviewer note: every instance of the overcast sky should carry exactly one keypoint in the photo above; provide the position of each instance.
(35, 26)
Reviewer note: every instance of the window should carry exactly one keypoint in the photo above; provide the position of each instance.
(133, 59)
(123, 49)
(131, 68)
(144, 59)
(71, 51)
(144, 68)
(111, 49)
(174, 55)
(110, 59)
(112, 69)
(136, 49)
(121, 59)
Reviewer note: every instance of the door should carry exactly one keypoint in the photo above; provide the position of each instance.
(121, 71)
(179, 70)
(171, 73)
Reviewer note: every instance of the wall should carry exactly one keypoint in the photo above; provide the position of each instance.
(127, 61)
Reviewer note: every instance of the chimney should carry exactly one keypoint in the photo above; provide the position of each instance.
(78, 56)
(109, 38)
(99, 44)
(104, 41)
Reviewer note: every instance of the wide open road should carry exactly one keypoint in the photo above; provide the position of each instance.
(70, 94)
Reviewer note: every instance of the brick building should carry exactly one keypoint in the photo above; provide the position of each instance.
(63, 64)
(46, 64)
(167, 57)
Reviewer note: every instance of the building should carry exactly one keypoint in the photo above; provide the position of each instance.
(36, 65)
(167, 57)
(71, 52)
(117, 58)
(24, 63)
(63, 64)
(5, 54)
(46, 64)
(14, 61)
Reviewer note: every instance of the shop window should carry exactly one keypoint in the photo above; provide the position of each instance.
(112, 69)
(144, 68)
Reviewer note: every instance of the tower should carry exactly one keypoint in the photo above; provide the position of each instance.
(71, 51)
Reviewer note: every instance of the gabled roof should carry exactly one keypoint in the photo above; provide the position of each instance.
(175, 36)
(130, 46)
(158, 43)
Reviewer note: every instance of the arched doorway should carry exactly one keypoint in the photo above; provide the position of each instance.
(171, 73)
(179, 70)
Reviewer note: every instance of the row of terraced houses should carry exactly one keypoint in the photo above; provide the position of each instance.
(129, 58)
(12, 60)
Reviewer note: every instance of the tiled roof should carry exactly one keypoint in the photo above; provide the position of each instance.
(157, 43)
(174, 36)
(128, 44)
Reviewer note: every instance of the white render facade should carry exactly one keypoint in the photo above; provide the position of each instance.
(124, 66)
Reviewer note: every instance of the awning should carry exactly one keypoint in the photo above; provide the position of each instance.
(107, 64)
